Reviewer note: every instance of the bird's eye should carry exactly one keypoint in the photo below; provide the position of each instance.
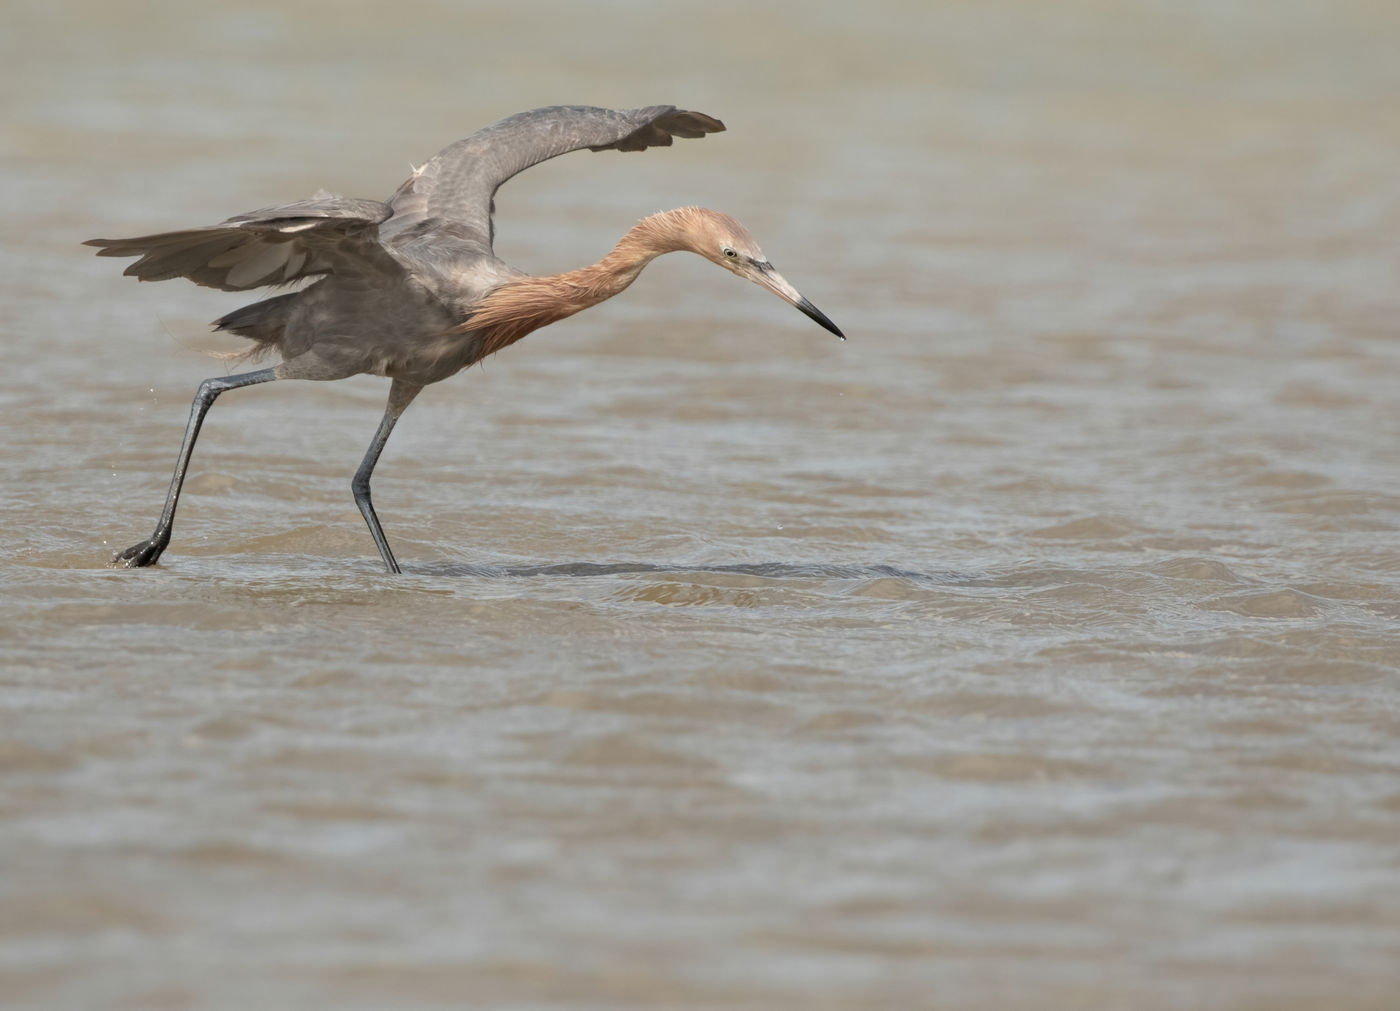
(729, 252)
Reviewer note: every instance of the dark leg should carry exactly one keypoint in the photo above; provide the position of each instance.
(400, 396)
(149, 550)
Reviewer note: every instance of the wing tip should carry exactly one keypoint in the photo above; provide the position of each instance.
(660, 128)
(704, 124)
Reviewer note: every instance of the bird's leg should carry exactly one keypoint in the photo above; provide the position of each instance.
(150, 549)
(401, 394)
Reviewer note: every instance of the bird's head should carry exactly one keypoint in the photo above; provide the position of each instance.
(723, 240)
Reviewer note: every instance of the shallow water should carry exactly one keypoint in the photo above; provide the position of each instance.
(1037, 647)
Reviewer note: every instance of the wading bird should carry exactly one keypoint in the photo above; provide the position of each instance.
(410, 289)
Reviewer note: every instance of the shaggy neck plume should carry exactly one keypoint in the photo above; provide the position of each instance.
(528, 303)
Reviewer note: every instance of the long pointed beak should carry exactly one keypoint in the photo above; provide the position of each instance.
(769, 278)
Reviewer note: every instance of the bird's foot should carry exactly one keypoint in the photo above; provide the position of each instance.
(139, 555)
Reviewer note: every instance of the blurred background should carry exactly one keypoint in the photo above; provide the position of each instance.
(1037, 647)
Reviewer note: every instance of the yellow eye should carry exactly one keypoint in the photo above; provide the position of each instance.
(729, 252)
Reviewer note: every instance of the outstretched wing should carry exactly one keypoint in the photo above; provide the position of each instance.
(458, 184)
(277, 245)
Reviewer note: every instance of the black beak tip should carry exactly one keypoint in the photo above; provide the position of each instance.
(822, 319)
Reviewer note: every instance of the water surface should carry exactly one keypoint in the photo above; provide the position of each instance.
(1037, 647)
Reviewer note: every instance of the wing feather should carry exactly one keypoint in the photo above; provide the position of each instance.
(459, 183)
(276, 245)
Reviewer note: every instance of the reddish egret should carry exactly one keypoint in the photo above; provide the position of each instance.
(410, 289)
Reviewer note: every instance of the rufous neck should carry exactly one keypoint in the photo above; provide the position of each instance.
(528, 303)
(644, 242)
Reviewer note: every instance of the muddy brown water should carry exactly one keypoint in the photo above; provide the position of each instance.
(1035, 648)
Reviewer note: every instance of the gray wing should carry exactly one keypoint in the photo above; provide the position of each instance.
(277, 245)
(458, 184)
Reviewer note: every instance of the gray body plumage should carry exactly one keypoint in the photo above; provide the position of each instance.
(391, 279)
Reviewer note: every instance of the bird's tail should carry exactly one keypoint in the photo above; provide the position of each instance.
(262, 322)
